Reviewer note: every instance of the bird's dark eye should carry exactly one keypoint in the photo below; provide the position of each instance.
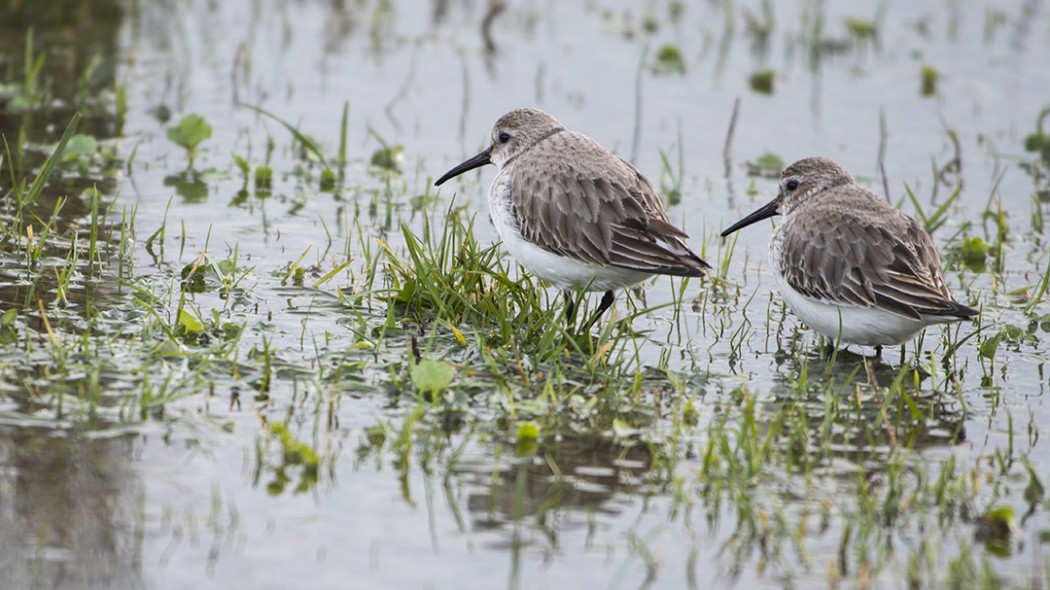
(791, 184)
(504, 137)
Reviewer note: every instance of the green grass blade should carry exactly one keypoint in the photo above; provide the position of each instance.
(309, 144)
(342, 135)
(49, 165)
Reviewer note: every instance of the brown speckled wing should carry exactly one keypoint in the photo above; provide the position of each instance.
(866, 254)
(595, 208)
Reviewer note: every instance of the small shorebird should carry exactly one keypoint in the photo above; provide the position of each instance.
(849, 264)
(574, 214)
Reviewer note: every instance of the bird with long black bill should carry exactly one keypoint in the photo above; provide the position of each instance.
(574, 214)
(850, 265)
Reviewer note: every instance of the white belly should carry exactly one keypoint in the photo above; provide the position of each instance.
(848, 324)
(560, 271)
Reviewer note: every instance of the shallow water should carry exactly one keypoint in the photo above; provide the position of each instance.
(193, 491)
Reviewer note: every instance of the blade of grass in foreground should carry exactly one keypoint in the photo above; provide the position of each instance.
(49, 165)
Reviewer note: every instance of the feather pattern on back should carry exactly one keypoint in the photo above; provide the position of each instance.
(595, 208)
(855, 248)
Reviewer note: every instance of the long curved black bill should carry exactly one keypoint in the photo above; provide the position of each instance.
(765, 212)
(475, 162)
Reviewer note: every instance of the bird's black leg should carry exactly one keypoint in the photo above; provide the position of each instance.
(606, 303)
(570, 306)
(878, 352)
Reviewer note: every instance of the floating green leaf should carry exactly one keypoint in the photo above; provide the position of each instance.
(528, 431)
(669, 59)
(263, 177)
(81, 145)
(388, 158)
(227, 267)
(974, 253)
(762, 81)
(1039, 141)
(430, 376)
(189, 324)
(994, 528)
(989, 347)
(527, 440)
(327, 180)
(193, 278)
(767, 165)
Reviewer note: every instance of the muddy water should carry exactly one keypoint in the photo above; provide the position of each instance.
(196, 496)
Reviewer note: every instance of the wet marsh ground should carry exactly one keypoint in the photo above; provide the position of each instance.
(245, 342)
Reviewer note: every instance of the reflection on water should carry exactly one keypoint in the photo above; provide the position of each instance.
(868, 405)
(69, 503)
(79, 42)
(583, 474)
(68, 510)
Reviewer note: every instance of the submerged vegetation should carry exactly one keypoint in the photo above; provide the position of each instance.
(343, 328)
